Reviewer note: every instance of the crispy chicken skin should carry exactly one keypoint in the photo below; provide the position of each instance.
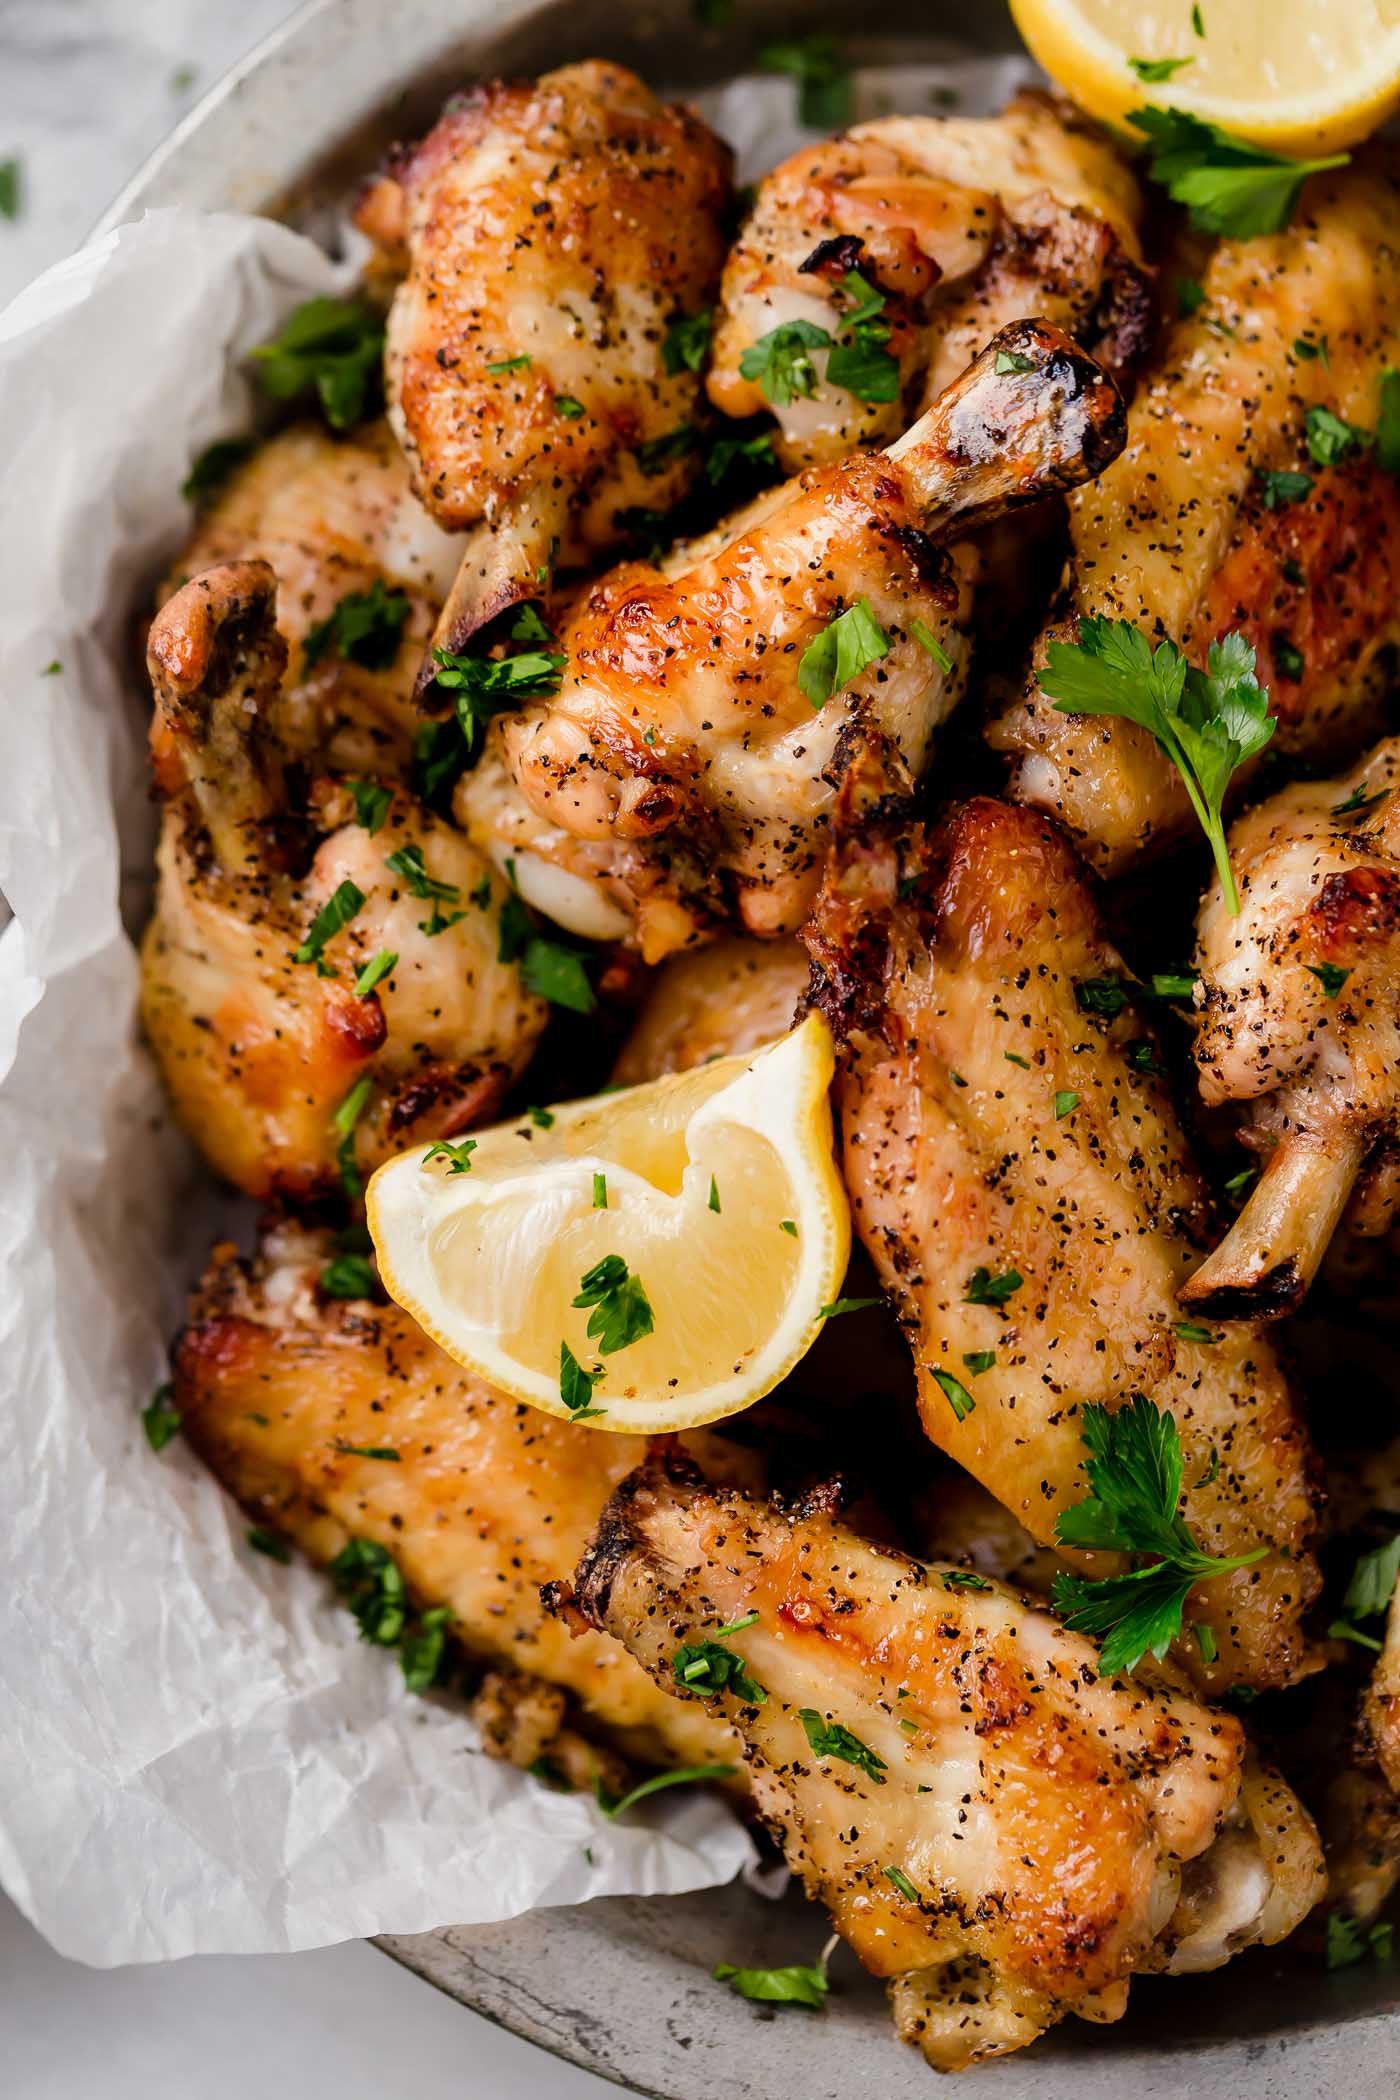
(682, 766)
(949, 969)
(732, 996)
(554, 230)
(489, 1498)
(1178, 535)
(1315, 1058)
(334, 516)
(259, 1051)
(965, 225)
(1049, 1832)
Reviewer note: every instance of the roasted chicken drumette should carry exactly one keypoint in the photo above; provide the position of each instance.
(683, 777)
(1001, 1833)
(1019, 1178)
(962, 226)
(362, 572)
(554, 230)
(1299, 1018)
(320, 987)
(1249, 498)
(733, 995)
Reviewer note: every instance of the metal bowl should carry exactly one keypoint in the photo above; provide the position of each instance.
(622, 1987)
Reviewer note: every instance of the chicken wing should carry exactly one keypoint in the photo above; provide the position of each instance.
(336, 519)
(1246, 499)
(1299, 1018)
(275, 1381)
(964, 225)
(686, 768)
(712, 1002)
(554, 230)
(320, 989)
(1004, 1835)
(1019, 1178)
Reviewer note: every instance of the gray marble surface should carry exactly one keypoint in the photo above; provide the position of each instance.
(87, 88)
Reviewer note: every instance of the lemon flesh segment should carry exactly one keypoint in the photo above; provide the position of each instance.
(489, 1261)
(1307, 77)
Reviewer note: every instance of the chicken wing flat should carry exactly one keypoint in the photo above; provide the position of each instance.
(687, 765)
(1248, 498)
(1019, 1178)
(323, 987)
(1001, 1833)
(337, 520)
(554, 229)
(489, 1499)
(1299, 1018)
(734, 995)
(964, 226)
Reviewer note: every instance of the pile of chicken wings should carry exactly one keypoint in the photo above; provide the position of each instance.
(682, 649)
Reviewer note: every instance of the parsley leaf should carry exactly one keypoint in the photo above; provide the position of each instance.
(727, 453)
(10, 195)
(1281, 487)
(372, 804)
(1227, 185)
(1172, 984)
(825, 95)
(830, 1739)
(348, 1276)
(901, 1881)
(985, 1289)
(1206, 722)
(963, 1579)
(1153, 70)
(333, 347)
(1348, 1940)
(343, 1122)
(1329, 976)
(374, 972)
(621, 1311)
(687, 342)
(709, 1668)
(1134, 1472)
(458, 1155)
(422, 1648)
(213, 468)
(846, 646)
(368, 1580)
(576, 1386)
(1106, 996)
(487, 686)
(955, 1393)
(366, 628)
(846, 1305)
(794, 1985)
(557, 973)
(1331, 439)
(161, 1420)
(1373, 1581)
(682, 1777)
(568, 407)
(386, 1452)
(930, 644)
(270, 1543)
(781, 361)
(335, 914)
(1065, 1103)
(1388, 423)
(979, 1360)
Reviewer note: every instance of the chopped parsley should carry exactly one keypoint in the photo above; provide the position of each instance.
(979, 1360)
(407, 863)
(859, 363)
(714, 1196)
(1206, 722)
(569, 408)
(1155, 70)
(374, 972)
(1134, 1472)
(1105, 996)
(1238, 1183)
(1373, 1581)
(557, 972)
(1349, 1941)
(343, 1123)
(621, 1311)
(830, 1739)
(1198, 20)
(1172, 984)
(1065, 1103)
(726, 453)
(825, 92)
(510, 364)
(846, 646)
(332, 347)
(386, 1452)
(366, 628)
(1359, 800)
(1282, 487)
(1227, 185)
(1193, 1331)
(1331, 439)
(1190, 295)
(484, 686)
(781, 361)
(372, 804)
(794, 1985)
(928, 641)
(1329, 976)
(458, 1154)
(656, 454)
(161, 1419)
(369, 1582)
(985, 1289)
(1388, 423)
(963, 1579)
(954, 1392)
(334, 915)
(10, 195)
(1143, 1058)
(348, 1276)
(542, 1118)
(213, 468)
(901, 1881)
(618, 1806)
(687, 342)
(270, 1543)
(846, 1305)
(1013, 1057)
(788, 1225)
(709, 1668)
(1305, 350)
(576, 1386)
(600, 1191)
(1013, 361)
(422, 1647)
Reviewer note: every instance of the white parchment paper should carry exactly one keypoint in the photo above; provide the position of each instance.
(196, 1755)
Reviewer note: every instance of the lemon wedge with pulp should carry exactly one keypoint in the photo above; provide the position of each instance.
(645, 1260)
(1298, 76)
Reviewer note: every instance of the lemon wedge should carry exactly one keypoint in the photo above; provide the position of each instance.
(642, 1261)
(1297, 76)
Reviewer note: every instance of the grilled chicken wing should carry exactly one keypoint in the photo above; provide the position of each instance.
(682, 770)
(1190, 534)
(1001, 1833)
(260, 1049)
(554, 230)
(488, 1500)
(336, 519)
(992, 1126)
(1299, 1017)
(712, 1002)
(964, 225)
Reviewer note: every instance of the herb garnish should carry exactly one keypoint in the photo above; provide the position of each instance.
(1331, 439)
(979, 1360)
(9, 189)
(270, 1543)
(348, 1276)
(1065, 1104)
(1358, 800)
(1206, 722)
(621, 1311)
(407, 863)
(334, 347)
(387, 1452)
(372, 804)
(485, 686)
(1348, 1940)
(709, 1668)
(1105, 996)
(830, 1739)
(458, 1154)
(985, 1289)
(846, 646)
(825, 97)
(795, 1985)
(687, 342)
(620, 1805)
(335, 914)
(901, 1881)
(374, 972)
(963, 1579)
(1228, 185)
(370, 1583)
(954, 1392)
(1153, 70)
(161, 1420)
(366, 628)
(1134, 1472)
(1282, 487)
(846, 1305)
(1329, 975)
(781, 362)
(213, 468)
(576, 1386)
(343, 1123)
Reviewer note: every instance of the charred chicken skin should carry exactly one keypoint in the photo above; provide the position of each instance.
(554, 231)
(964, 226)
(294, 1053)
(1299, 1019)
(336, 519)
(1248, 498)
(1001, 1833)
(683, 777)
(1019, 1178)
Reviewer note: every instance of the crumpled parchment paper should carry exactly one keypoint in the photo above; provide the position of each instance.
(196, 1755)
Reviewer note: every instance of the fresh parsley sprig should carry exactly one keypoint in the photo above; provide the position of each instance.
(332, 347)
(620, 1308)
(1206, 722)
(797, 1984)
(831, 1739)
(366, 628)
(1227, 185)
(1134, 1470)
